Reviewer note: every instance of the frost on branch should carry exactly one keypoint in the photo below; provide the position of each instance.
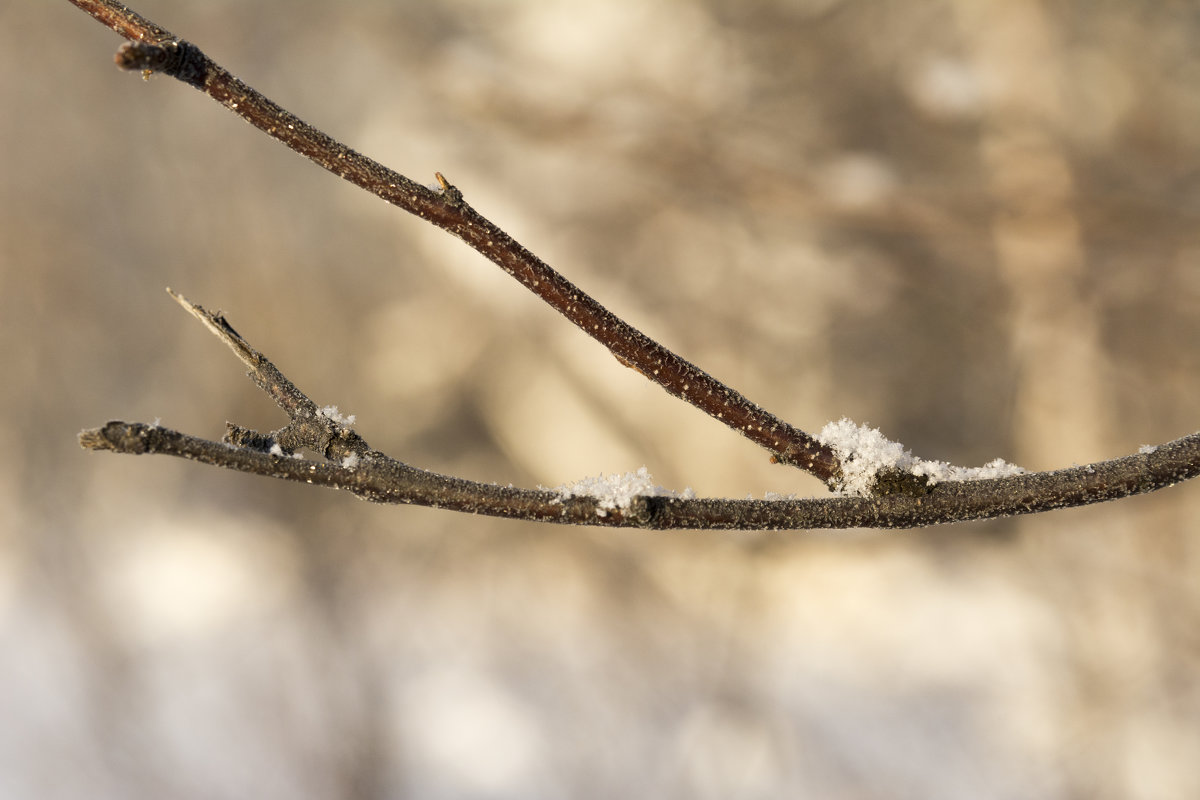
(331, 412)
(617, 491)
(865, 453)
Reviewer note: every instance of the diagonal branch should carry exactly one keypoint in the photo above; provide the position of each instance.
(353, 466)
(154, 49)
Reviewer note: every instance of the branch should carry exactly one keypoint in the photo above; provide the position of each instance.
(902, 499)
(154, 49)
(353, 466)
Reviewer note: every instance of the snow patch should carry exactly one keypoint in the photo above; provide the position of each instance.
(331, 412)
(277, 451)
(350, 461)
(618, 491)
(864, 452)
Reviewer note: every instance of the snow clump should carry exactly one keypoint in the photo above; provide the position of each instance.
(864, 452)
(618, 491)
(331, 412)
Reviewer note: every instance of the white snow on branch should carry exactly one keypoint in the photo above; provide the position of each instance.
(277, 451)
(332, 413)
(618, 491)
(864, 452)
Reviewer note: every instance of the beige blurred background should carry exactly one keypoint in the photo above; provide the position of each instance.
(973, 224)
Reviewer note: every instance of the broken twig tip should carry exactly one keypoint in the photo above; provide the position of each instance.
(183, 301)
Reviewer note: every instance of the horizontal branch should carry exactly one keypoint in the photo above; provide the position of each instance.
(353, 466)
(372, 477)
(153, 49)
(384, 480)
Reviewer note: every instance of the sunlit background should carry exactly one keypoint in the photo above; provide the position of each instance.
(971, 223)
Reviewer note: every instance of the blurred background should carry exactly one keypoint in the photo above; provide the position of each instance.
(972, 224)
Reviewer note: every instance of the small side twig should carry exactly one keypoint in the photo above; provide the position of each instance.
(354, 466)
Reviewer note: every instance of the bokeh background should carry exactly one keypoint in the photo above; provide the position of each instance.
(972, 223)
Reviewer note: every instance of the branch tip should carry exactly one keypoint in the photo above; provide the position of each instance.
(174, 57)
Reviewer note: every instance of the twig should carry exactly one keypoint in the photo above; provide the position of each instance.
(372, 475)
(154, 49)
(352, 465)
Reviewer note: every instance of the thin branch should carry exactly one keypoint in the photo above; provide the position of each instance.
(154, 49)
(353, 466)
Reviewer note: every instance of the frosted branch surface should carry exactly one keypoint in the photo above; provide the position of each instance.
(864, 452)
